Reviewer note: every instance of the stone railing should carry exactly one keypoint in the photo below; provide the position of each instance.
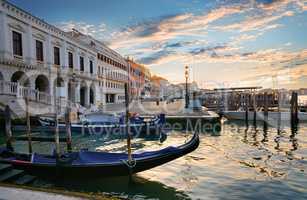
(14, 89)
(8, 88)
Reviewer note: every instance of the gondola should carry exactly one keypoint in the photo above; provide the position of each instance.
(89, 165)
(109, 124)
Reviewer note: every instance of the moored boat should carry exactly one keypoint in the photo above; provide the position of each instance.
(104, 123)
(87, 164)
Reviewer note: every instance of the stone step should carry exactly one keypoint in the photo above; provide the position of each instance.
(11, 175)
(26, 179)
(4, 168)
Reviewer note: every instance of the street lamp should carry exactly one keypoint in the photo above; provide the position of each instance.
(186, 87)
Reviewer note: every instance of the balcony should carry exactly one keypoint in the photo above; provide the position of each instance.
(19, 62)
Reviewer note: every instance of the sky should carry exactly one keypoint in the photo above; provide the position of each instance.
(225, 43)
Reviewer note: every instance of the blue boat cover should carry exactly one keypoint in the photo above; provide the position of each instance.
(90, 158)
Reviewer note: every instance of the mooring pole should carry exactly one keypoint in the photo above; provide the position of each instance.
(127, 123)
(255, 109)
(28, 125)
(194, 102)
(294, 108)
(187, 98)
(56, 127)
(246, 108)
(278, 110)
(266, 109)
(8, 131)
(68, 128)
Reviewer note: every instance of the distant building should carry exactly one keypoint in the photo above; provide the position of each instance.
(302, 91)
(147, 86)
(136, 78)
(159, 88)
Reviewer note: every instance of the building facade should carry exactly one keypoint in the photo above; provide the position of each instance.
(112, 70)
(41, 62)
(136, 79)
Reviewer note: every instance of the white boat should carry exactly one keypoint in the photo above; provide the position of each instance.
(272, 116)
(102, 118)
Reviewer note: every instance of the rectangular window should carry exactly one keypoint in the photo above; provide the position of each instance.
(17, 43)
(39, 51)
(81, 64)
(56, 55)
(91, 67)
(70, 60)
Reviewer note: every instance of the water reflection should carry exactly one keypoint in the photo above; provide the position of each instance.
(294, 131)
(123, 187)
(254, 161)
(265, 132)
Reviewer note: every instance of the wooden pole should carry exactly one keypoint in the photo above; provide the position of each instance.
(28, 125)
(194, 101)
(266, 109)
(278, 110)
(246, 107)
(127, 123)
(68, 128)
(187, 98)
(56, 127)
(294, 108)
(255, 109)
(8, 126)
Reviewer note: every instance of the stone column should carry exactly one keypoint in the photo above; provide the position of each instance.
(30, 46)
(77, 59)
(86, 63)
(49, 51)
(64, 56)
(77, 92)
(95, 66)
(5, 48)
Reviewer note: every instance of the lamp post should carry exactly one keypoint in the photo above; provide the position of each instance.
(186, 87)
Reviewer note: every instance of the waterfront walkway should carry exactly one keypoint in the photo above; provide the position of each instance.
(23, 194)
(175, 108)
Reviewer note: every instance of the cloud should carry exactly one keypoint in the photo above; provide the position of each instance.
(170, 27)
(302, 5)
(213, 36)
(260, 23)
(97, 31)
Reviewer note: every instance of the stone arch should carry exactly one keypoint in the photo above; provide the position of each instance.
(92, 94)
(83, 94)
(71, 88)
(42, 83)
(1, 76)
(58, 86)
(21, 78)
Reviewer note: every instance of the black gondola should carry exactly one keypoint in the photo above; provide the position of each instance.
(86, 164)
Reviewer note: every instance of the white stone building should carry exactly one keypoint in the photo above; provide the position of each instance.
(36, 58)
(111, 70)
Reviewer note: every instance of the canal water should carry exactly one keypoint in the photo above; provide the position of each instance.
(239, 162)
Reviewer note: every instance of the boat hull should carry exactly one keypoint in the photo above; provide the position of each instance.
(65, 171)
